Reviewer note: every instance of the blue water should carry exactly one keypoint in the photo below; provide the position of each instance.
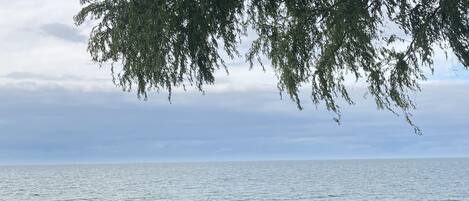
(409, 179)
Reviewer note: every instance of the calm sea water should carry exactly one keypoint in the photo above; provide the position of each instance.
(422, 179)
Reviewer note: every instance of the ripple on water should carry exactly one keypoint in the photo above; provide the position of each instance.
(432, 179)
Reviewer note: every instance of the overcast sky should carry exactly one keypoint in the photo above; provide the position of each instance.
(56, 106)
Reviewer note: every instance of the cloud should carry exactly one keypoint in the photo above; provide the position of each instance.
(36, 76)
(63, 31)
(62, 125)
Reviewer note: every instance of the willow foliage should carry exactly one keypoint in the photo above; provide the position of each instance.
(163, 44)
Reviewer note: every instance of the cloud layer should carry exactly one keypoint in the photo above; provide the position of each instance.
(59, 125)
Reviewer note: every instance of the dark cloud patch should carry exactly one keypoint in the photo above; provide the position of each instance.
(63, 31)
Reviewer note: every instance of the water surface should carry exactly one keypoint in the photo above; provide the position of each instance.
(409, 179)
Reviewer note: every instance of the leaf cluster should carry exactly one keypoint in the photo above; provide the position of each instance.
(164, 44)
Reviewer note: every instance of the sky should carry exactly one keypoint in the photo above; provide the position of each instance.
(57, 106)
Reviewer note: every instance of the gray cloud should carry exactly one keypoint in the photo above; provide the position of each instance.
(37, 76)
(63, 31)
(59, 125)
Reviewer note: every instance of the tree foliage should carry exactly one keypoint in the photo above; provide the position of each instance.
(163, 44)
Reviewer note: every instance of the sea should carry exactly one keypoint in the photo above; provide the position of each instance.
(350, 180)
